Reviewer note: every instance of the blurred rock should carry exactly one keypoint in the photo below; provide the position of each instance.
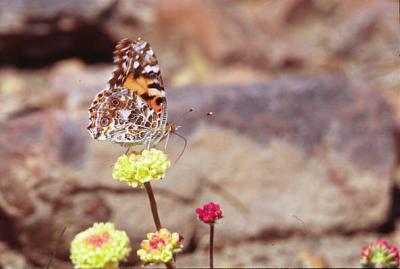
(77, 82)
(302, 165)
(359, 28)
(303, 151)
(33, 32)
(329, 251)
(11, 259)
(268, 36)
(299, 155)
(25, 92)
(307, 259)
(35, 12)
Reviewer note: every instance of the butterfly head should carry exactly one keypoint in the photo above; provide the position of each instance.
(172, 127)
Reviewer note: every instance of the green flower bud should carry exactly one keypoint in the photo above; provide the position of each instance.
(139, 169)
(101, 246)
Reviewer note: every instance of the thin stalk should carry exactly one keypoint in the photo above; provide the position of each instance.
(50, 264)
(211, 246)
(171, 264)
(153, 205)
(156, 218)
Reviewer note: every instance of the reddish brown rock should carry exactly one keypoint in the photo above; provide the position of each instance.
(328, 251)
(302, 166)
(300, 155)
(313, 113)
(297, 155)
(11, 259)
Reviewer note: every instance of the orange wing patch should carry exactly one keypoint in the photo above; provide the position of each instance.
(137, 69)
(140, 86)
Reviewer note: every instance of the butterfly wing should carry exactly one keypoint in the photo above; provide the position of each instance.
(133, 109)
(137, 69)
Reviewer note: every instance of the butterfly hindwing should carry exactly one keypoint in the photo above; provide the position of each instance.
(133, 109)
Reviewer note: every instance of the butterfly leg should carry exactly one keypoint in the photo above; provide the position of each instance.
(127, 151)
(166, 142)
(148, 145)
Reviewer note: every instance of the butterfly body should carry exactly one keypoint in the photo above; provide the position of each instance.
(132, 110)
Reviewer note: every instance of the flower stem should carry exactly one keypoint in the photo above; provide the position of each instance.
(211, 246)
(50, 264)
(156, 218)
(170, 264)
(153, 205)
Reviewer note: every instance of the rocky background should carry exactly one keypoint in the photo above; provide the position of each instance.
(301, 150)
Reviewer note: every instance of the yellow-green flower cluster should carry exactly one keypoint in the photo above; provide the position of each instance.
(101, 246)
(159, 247)
(138, 169)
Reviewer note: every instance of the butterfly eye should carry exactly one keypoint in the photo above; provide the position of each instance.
(104, 121)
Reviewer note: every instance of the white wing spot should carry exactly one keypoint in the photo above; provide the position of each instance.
(153, 91)
(149, 68)
(124, 113)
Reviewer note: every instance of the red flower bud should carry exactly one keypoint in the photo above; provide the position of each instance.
(209, 213)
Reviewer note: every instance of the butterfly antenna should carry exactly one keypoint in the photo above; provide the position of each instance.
(184, 147)
(187, 112)
(209, 113)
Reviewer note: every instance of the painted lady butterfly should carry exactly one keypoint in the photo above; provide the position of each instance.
(132, 110)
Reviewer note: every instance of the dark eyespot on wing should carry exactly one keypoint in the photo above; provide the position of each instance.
(115, 102)
(104, 121)
(146, 96)
(159, 100)
(154, 85)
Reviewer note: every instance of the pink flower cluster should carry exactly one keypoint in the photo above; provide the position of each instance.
(98, 240)
(159, 247)
(379, 255)
(209, 213)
